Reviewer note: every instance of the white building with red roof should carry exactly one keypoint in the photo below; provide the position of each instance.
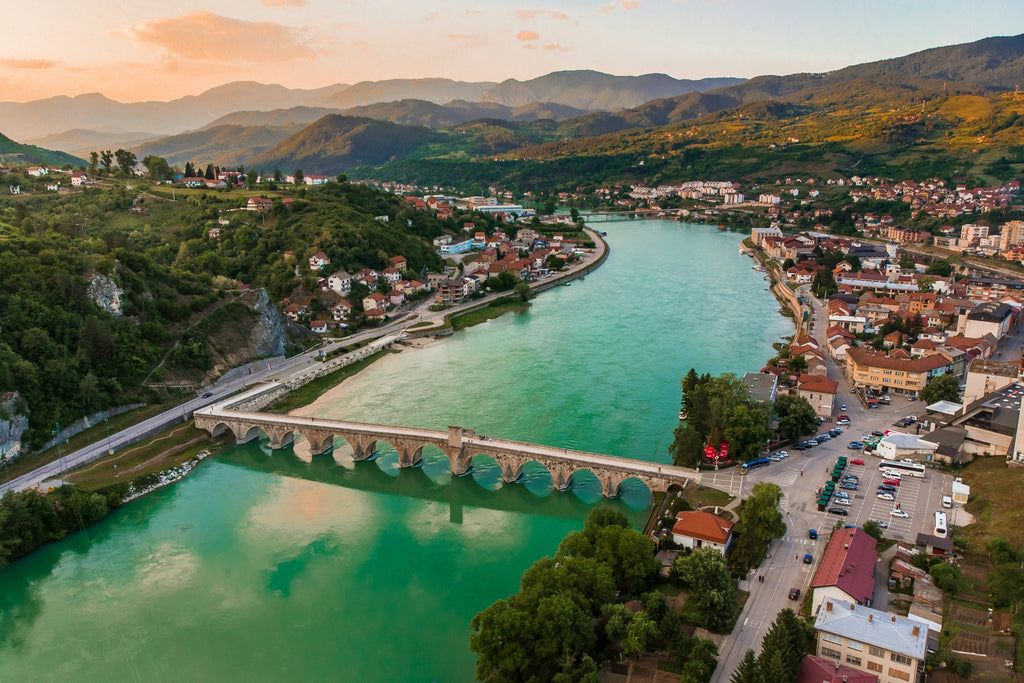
(696, 529)
(847, 569)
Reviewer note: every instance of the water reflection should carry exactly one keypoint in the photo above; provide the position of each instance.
(432, 480)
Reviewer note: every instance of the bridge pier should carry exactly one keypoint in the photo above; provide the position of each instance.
(511, 472)
(610, 485)
(320, 442)
(460, 464)
(363, 448)
(409, 456)
(280, 438)
(561, 478)
(246, 434)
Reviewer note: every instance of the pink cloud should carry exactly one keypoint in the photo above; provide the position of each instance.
(285, 3)
(467, 40)
(556, 46)
(630, 4)
(527, 14)
(527, 35)
(625, 4)
(203, 35)
(28, 63)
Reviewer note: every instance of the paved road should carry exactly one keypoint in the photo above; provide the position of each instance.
(283, 370)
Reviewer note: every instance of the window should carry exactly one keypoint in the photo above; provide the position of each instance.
(901, 659)
(855, 646)
(897, 673)
(855, 661)
(876, 652)
(874, 666)
(831, 638)
(829, 652)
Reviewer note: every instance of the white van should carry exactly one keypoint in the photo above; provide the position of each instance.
(947, 502)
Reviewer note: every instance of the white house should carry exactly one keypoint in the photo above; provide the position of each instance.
(696, 529)
(340, 282)
(319, 261)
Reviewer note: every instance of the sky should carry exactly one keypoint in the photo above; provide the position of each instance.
(134, 50)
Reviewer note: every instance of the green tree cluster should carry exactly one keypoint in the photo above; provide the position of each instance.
(941, 388)
(760, 522)
(565, 614)
(712, 589)
(788, 640)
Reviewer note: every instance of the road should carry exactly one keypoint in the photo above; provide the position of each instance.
(799, 476)
(282, 371)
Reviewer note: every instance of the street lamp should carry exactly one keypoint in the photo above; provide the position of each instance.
(106, 425)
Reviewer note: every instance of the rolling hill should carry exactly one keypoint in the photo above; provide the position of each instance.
(223, 145)
(336, 143)
(12, 152)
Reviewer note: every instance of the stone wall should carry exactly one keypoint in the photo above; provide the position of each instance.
(12, 425)
(88, 421)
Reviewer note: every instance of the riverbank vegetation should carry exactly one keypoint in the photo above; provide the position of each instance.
(720, 410)
(594, 601)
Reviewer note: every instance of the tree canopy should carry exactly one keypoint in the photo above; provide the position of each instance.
(941, 388)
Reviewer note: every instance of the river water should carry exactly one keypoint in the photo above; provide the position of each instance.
(266, 567)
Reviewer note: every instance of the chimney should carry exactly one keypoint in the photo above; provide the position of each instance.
(852, 606)
(917, 631)
(871, 617)
(844, 679)
(894, 618)
(828, 606)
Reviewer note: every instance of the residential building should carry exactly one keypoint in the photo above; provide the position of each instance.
(820, 392)
(847, 569)
(1011, 234)
(697, 529)
(878, 372)
(375, 300)
(340, 282)
(341, 311)
(970, 232)
(260, 204)
(758, 235)
(761, 386)
(319, 261)
(817, 670)
(456, 247)
(981, 289)
(990, 317)
(318, 326)
(985, 376)
(887, 645)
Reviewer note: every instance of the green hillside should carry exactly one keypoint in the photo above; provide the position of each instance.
(12, 152)
(223, 145)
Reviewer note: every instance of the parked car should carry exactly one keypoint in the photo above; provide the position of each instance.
(896, 512)
(887, 488)
(842, 512)
(799, 447)
(884, 399)
(857, 461)
(882, 495)
(848, 486)
(842, 406)
(808, 558)
(824, 437)
(794, 593)
(891, 482)
(845, 502)
(910, 419)
(855, 446)
(842, 494)
(877, 433)
(782, 454)
(881, 523)
(843, 421)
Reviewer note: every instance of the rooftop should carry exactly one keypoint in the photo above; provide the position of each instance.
(849, 564)
(874, 627)
(702, 525)
(817, 670)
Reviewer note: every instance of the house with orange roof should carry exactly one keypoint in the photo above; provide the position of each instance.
(820, 392)
(698, 529)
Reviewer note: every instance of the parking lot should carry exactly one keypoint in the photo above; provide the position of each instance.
(803, 473)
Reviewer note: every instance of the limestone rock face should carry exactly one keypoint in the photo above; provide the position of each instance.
(12, 424)
(268, 334)
(106, 293)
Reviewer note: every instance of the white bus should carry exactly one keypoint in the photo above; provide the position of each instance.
(914, 469)
(940, 524)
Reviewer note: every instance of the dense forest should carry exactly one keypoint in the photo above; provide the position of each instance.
(67, 356)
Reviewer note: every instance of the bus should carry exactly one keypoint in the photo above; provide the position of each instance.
(940, 524)
(754, 464)
(914, 469)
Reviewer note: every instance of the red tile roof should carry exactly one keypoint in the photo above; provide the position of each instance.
(817, 670)
(849, 564)
(702, 525)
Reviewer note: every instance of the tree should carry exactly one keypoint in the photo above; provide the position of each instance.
(748, 670)
(250, 179)
(157, 168)
(824, 284)
(299, 178)
(788, 639)
(797, 364)
(760, 522)
(788, 263)
(796, 417)
(107, 159)
(873, 529)
(126, 161)
(209, 175)
(639, 633)
(522, 291)
(947, 578)
(926, 284)
(941, 388)
(711, 586)
(277, 175)
(94, 161)
(941, 267)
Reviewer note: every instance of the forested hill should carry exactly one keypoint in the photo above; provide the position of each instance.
(64, 255)
(12, 152)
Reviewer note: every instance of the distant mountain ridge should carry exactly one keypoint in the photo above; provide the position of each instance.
(583, 90)
(15, 152)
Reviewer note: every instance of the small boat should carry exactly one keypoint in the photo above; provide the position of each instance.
(567, 284)
(682, 415)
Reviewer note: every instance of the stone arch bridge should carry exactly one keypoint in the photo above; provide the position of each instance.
(458, 444)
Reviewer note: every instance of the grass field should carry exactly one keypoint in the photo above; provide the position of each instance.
(308, 393)
(996, 510)
(476, 317)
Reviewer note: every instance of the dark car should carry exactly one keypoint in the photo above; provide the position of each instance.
(877, 433)
(855, 445)
(838, 511)
(888, 488)
(208, 394)
(794, 593)
(848, 486)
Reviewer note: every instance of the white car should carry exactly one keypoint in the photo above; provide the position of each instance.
(898, 513)
(885, 496)
(782, 454)
(843, 501)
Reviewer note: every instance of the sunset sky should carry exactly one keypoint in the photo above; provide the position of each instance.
(141, 49)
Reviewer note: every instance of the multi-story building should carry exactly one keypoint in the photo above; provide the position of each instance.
(879, 372)
(971, 232)
(887, 645)
(1011, 233)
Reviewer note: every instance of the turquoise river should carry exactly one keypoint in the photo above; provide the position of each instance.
(267, 567)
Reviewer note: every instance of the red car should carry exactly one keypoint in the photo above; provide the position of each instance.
(891, 482)
(857, 461)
